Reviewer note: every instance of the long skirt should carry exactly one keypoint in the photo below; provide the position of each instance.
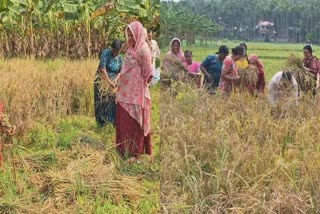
(104, 106)
(261, 84)
(130, 139)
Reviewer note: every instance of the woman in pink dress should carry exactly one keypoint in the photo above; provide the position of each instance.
(174, 58)
(312, 64)
(133, 96)
(193, 67)
(229, 74)
(261, 82)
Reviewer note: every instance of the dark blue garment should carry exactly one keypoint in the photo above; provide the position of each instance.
(105, 106)
(214, 67)
(113, 65)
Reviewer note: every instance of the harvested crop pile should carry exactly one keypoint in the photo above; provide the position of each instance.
(84, 172)
(305, 79)
(173, 70)
(249, 78)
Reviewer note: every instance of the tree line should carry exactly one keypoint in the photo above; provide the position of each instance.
(294, 20)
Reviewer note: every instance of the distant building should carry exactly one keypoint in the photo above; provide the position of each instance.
(266, 31)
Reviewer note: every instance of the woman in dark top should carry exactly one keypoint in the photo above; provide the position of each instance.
(109, 68)
(212, 67)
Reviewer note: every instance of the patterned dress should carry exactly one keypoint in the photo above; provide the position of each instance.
(133, 109)
(231, 66)
(105, 107)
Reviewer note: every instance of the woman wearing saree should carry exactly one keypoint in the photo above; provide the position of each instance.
(133, 96)
(172, 62)
(109, 68)
(311, 64)
(261, 82)
(229, 74)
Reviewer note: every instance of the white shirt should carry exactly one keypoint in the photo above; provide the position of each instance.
(155, 52)
(273, 88)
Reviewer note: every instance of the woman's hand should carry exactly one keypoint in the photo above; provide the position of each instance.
(305, 68)
(210, 79)
(112, 84)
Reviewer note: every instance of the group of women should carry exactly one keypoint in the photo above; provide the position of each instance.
(218, 71)
(222, 71)
(130, 107)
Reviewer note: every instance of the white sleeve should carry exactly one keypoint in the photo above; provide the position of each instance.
(157, 54)
(272, 87)
(296, 89)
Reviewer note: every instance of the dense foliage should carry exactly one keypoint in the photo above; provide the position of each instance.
(68, 28)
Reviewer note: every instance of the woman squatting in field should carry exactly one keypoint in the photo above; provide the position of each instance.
(283, 87)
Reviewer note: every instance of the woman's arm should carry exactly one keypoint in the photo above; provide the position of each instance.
(205, 72)
(103, 68)
(117, 78)
(145, 63)
(227, 75)
(123, 48)
(104, 76)
(314, 64)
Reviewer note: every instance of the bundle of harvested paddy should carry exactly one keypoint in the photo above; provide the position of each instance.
(305, 79)
(249, 78)
(89, 175)
(173, 70)
(105, 89)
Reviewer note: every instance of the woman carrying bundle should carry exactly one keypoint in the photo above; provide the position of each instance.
(104, 98)
(229, 75)
(261, 82)
(193, 68)
(172, 63)
(243, 63)
(175, 56)
(311, 63)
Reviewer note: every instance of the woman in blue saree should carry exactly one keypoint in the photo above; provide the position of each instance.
(109, 68)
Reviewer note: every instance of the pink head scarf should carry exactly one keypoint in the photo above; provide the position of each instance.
(255, 58)
(180, 54)
(139, 36)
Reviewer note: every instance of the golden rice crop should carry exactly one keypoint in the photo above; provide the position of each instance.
(60, 162)
(233, 156)
(45, 90)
